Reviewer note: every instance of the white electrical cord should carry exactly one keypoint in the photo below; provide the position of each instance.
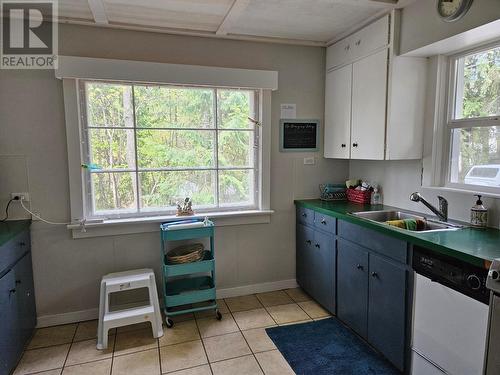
(38, 216)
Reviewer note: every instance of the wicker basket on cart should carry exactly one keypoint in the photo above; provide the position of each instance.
(185, 254)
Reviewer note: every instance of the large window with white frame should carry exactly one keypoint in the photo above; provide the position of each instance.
(148, 146)
(473, 123)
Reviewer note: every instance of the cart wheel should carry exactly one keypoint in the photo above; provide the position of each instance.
(218, 315)
(169, 322)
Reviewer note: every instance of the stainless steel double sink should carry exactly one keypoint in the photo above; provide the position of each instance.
(387, 215)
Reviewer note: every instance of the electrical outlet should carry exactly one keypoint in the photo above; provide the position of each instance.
(309, 161)
(25, 196)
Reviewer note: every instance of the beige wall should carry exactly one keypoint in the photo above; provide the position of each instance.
(421, 25)
(33, 158)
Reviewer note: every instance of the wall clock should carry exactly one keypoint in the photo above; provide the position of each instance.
(452, 10)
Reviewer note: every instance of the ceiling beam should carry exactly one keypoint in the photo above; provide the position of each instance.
(232, 16)
(98, 11)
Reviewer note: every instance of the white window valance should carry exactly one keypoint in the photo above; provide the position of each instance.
(141, 71)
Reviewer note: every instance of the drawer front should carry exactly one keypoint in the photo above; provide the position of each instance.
(382, 244)
(325, 222)
(13, 250)
(305, 216)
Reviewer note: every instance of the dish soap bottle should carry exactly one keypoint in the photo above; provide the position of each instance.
(479, 214)
(376, 197)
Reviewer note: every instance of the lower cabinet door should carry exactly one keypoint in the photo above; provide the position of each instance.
(304, 259)
(324, 270)
(26, 311)
(386, 308)
(352, 286)
(9, 340)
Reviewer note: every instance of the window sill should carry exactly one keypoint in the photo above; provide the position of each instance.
(113, 227)
(463, 191)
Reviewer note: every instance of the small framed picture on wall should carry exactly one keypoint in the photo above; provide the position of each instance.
(299, 135)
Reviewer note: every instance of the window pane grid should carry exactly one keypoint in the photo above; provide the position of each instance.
(474, 123)
(240, 179)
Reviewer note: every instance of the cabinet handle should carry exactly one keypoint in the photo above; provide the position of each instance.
(358, 42)
(343, 145)
(354, 145)
(308, 242)
(12, 291)
(22, 244)
(317, 245)
(359, 267)
(323, 221)
(374, 274)
(18, 282)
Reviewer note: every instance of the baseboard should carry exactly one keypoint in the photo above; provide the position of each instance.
(90, 314)
(256, 288)
(65, 318)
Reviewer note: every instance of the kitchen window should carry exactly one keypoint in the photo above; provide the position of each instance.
(473, 121)
(148, 146)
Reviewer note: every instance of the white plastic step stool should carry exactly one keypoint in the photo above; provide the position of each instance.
(121, 281)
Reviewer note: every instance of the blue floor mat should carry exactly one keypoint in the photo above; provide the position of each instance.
(328, 347)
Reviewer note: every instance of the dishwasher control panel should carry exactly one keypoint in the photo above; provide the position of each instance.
(454, 273)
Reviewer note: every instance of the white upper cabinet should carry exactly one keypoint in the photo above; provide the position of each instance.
(369, 92)
(358, 45)
(338, 113)
(374, 100)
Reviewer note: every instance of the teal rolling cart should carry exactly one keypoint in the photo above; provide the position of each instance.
(191, 283)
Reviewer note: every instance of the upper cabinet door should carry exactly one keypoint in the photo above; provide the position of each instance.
(359, 44)
(339, 53)
(369, 93)
(338, 113)
(370, 38)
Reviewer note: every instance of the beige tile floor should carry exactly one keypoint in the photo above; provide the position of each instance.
(198, 344)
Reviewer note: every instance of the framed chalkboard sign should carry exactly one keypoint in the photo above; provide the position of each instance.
(299, 135)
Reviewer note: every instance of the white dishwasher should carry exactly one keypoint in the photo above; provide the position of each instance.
(450, 316)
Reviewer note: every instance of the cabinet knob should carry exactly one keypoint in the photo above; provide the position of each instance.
(12, 291)
(354, 145)
(359, 267)
(18, 282)
(323, 221)
(317, 245)
(22, 244)
(308, 242)
(358, 42)
(343, 145)
(304, 215)
(374, 274)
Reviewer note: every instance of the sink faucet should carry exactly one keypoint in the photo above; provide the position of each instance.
(441, 213)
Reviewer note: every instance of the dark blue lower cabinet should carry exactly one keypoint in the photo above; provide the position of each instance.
(352, 286)
(9, 339)
(26, 311)
(304, 257)
(386, 308)
(371, 298)
(17, 301)
(315, 265)
(323, 272)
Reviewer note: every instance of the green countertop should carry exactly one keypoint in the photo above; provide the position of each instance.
(476, 246)
(9, 229)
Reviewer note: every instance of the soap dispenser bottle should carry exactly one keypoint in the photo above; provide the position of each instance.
(479, 214)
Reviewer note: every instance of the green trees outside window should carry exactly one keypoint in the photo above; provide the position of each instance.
(156, 145)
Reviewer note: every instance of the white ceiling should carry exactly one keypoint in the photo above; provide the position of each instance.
(315, 22)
